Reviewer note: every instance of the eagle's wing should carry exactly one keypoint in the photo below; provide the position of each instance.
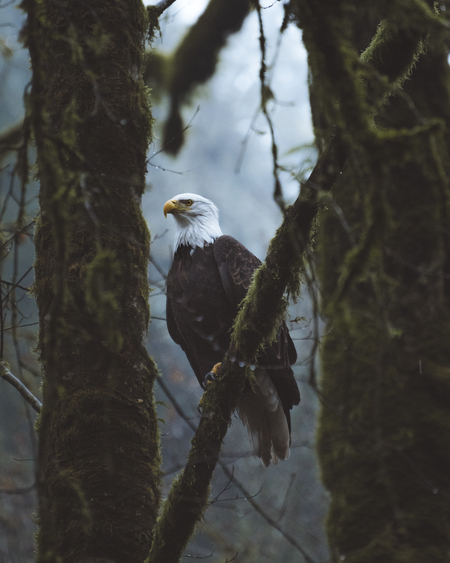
(172, 325)
(268, 422)
(236, 265)
(177, 337)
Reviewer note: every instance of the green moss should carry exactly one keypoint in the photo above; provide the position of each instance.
(188, 496)
(102, 295)
(153, 13)
(381, 255)
(264, 305)
(99, 455)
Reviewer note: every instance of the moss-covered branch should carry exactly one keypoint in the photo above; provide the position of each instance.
(195, 59)
(286, 250)
(193, 62)
(188, 496)
(260, 313)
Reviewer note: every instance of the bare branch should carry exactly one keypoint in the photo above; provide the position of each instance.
(24, 391)
(199, 556)
(163, 5)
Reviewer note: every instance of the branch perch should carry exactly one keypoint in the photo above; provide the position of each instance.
(188, 497)
(261, 309)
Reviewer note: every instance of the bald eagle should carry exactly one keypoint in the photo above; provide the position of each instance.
(207, 281)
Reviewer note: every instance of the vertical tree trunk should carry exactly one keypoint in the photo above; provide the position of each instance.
(98, 467)
(384, 265)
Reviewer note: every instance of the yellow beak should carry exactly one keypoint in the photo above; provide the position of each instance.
(170, 206)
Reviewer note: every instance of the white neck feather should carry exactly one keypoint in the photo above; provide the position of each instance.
(197, 230)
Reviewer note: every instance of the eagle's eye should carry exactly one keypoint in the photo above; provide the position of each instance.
(188, 202)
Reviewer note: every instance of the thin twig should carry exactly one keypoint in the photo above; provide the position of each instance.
(188, 126)
(226, 488)
(265, 94)
(24, 391)
(260, 510)
(16, 285)
(198, 556)
(286, 497)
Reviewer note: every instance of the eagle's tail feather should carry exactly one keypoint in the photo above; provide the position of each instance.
(262, 413)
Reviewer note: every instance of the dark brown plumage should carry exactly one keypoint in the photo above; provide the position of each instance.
(205, 287)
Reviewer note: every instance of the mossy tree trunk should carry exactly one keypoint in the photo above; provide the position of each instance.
(383, 260)
(98, 467)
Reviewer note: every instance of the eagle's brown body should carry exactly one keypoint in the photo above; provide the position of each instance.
(205, 286)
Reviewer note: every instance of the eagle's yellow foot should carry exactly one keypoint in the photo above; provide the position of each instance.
(211, 376)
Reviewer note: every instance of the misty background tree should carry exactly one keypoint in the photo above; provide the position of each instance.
(370, 225)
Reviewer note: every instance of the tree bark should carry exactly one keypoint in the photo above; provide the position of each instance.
(98, 467)
(382, 259)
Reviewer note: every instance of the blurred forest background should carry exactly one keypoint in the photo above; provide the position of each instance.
(226, 157)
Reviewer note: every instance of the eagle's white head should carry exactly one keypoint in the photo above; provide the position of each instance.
(197, 220)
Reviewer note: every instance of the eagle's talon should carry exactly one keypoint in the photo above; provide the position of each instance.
(211, 376)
